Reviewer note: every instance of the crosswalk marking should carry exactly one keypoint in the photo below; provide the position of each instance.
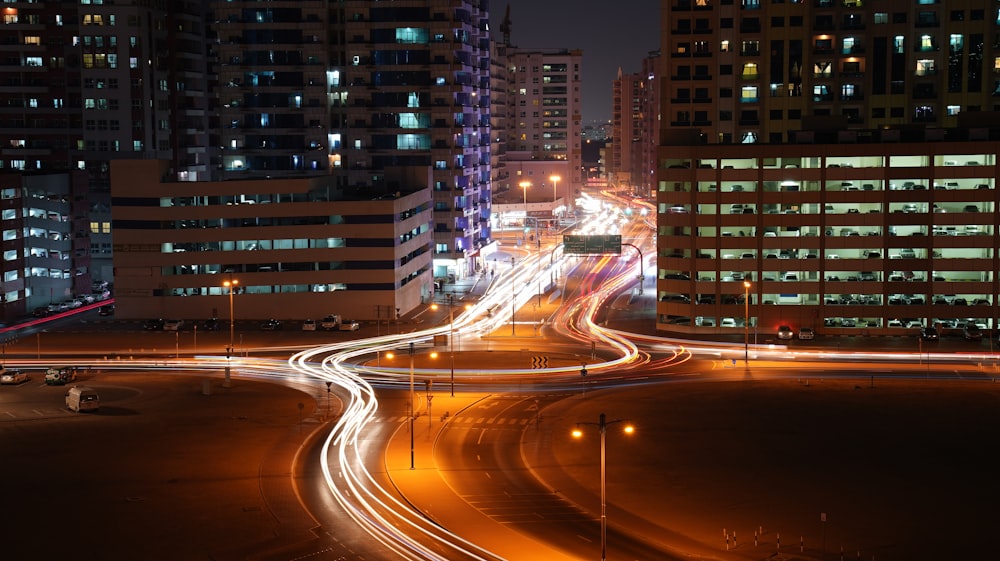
(501, 421)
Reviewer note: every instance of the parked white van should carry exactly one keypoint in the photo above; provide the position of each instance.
(82, 398)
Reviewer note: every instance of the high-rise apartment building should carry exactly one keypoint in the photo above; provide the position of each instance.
(750, 71)
(352, 88)
(544, 123)
(83, 83)
(635, 122)
(828, 165)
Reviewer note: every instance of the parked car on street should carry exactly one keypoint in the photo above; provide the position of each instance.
(785, 332)
(153, 325)
(173, 325)
(349, 325)
(330, 322)
(57, 376)
(806, 334)
(271, 325)
(12, 376)
(309, 325)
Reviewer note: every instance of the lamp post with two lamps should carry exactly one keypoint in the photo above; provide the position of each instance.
(412, 414)
(746, 322)
(602, 426)
(231, 284)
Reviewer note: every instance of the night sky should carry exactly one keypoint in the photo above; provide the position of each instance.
(612, 34)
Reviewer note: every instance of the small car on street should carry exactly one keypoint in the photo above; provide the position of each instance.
(10, 376)
(58, 376)
(349, 325)
(806, 334)
(785, 332)
(271, 325)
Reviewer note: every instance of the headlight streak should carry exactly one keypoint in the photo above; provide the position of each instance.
(374, 509)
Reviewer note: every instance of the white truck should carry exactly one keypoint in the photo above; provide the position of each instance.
(330, 322)
(82, 398)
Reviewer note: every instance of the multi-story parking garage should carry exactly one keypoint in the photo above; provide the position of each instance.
(861, 235)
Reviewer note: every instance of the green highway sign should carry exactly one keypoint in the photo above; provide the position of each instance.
(583, 245)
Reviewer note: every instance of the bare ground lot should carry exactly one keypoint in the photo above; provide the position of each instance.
(902, 470)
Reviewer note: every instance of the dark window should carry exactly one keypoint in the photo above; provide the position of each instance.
(795, 21)
(777, 21)
(725, 92)
(726, 23)
(725, 115)
(958, 15)
(726, 70)
(896, 112)
(794, 113)
(977, 15)
(775, 114)
(878, 112)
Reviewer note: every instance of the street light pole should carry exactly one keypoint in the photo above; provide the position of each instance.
(451, 340)
(412, 412)
(602, 426)
(746, 322)
(555, 192)
(513, 297)
(524, 186)
(231, 284)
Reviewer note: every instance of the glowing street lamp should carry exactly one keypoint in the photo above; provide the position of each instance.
(746, 322)
(602, 426)
(231, 284)
(555, 182)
